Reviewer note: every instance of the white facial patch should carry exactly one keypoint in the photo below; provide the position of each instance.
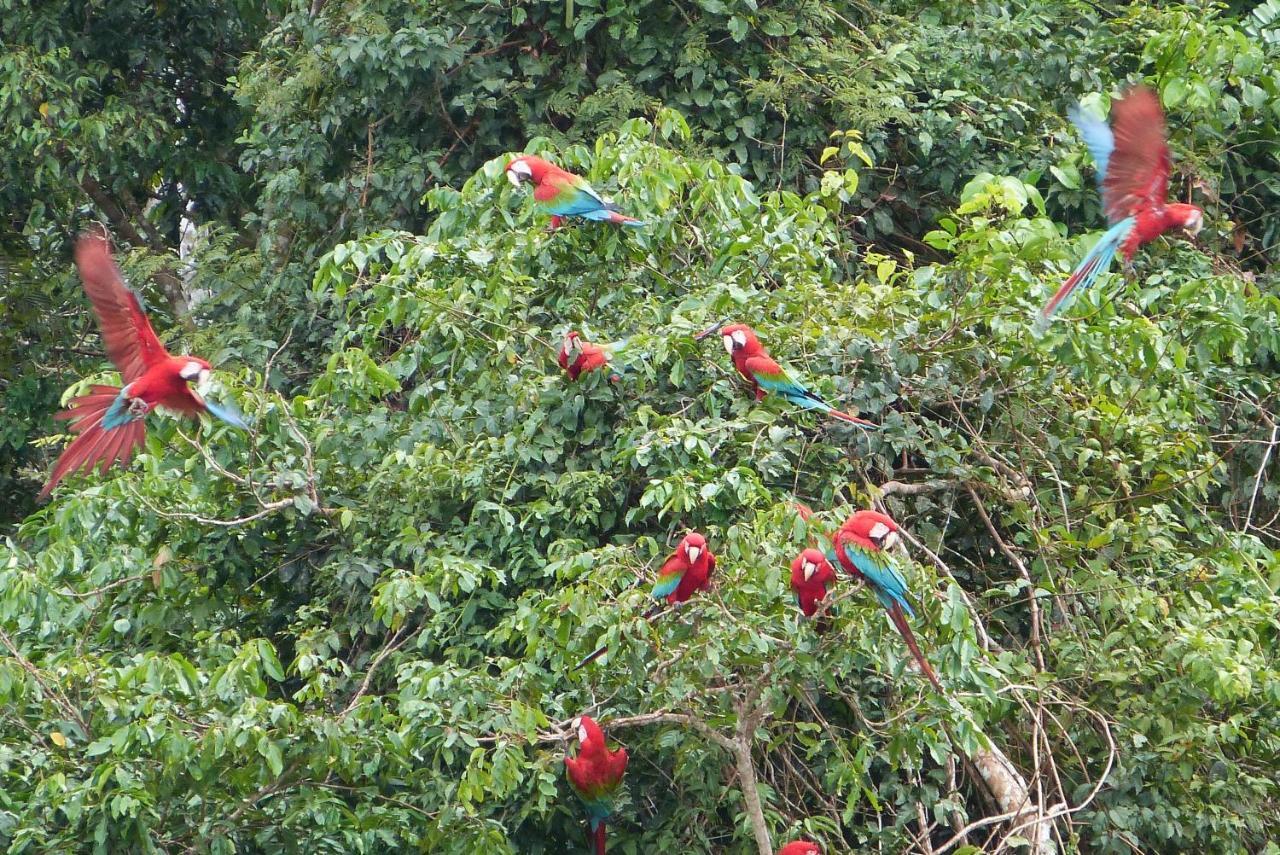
(1196, 223)
(582, 733)
(693, 552)
(878, 531)
(572, 344)
(190, 371)
(203, 381)
(739, 338)
(890, 540)
(519, 171)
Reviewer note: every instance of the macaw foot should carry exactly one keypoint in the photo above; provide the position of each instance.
(137, 407)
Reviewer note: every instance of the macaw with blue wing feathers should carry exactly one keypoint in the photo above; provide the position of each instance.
(685, 572)
(766, 376)
(861, 547)
(562, 194)
(595, 775)
(1132, 159)
(109, 421)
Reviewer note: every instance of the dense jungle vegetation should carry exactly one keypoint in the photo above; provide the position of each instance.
(354, 627)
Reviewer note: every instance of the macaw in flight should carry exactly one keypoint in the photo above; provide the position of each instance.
(578, 355)
(110, 421)
(758, 368)
(685, 572)
(862, 547)
(800, 847)
(1132, 159)
(563, 194)
(595, 775)
(811, 573)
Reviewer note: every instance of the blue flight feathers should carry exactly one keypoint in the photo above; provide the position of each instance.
(889, 585)
(1097, 136)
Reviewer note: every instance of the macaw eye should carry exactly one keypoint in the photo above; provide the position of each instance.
(739, 338)
(190, 371)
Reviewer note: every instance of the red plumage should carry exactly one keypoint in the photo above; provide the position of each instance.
(152, 376)
(811, 573)
(577, 355)
(596, 774)
(800, 847)
(904, 629)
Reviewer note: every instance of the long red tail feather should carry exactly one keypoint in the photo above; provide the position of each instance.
(904, 629)
(599, 839)
(851, 419)
(94, 445)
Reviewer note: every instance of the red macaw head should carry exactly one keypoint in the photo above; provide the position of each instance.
(740, 339)
(800, 847)
(693, 547)
(1188, 217)
(194, 370)
(570, 348)
(870, 530)
(590, 736)
(808, 566)
(527, 167)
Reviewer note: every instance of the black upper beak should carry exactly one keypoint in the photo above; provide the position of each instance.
(709, 331)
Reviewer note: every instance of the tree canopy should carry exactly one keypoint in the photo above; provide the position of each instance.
(354, 627)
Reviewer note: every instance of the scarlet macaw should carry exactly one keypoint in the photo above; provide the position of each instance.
(862, 547)
(1132, 159)
(758, 368)
(110, 420)
(685, 572)
(800, 847)
(810, 575)
(595, 775)
(563, 194)
(577, 355)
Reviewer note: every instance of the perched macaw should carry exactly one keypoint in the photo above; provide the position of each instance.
(811, 573)
(1132, 159)
(800, 847)
(862, 547)
(563, 194)
(595, 775)
(110, 421)
(758, 368)
(577, 355)
(685, 572)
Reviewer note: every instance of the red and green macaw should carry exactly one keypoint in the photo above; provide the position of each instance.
(861, 547)
(811, 573)
(578, 355)
(595, 775)
(1132, 158)
(563, 194)
(758, 368)
(685, 572)
(110, 421)
(800, 847)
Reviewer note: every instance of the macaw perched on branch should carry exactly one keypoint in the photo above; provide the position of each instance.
(1132, 158)
(109, 421)
(758, 368)
(563, 194)
(595, 775)
(578, 355)
(811, 573)
(685, 572)
(800, 847)
(862, 547)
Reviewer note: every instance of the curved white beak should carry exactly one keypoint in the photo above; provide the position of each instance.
(693, 552)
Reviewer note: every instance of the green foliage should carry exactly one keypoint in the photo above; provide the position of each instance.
(354, 628)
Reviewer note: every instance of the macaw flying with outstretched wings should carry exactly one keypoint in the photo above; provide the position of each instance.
(562, 194)
(110, 421)
(758, 368)
(1132, 158)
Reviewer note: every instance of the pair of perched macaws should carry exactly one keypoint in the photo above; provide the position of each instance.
(109, 422)
(862, 547)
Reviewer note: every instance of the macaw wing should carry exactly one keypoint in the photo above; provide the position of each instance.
(772, 377)
(1097, 136)
(1138, 168)
(878, 569)
(569, 196)
(130, 341)
(669, 576)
